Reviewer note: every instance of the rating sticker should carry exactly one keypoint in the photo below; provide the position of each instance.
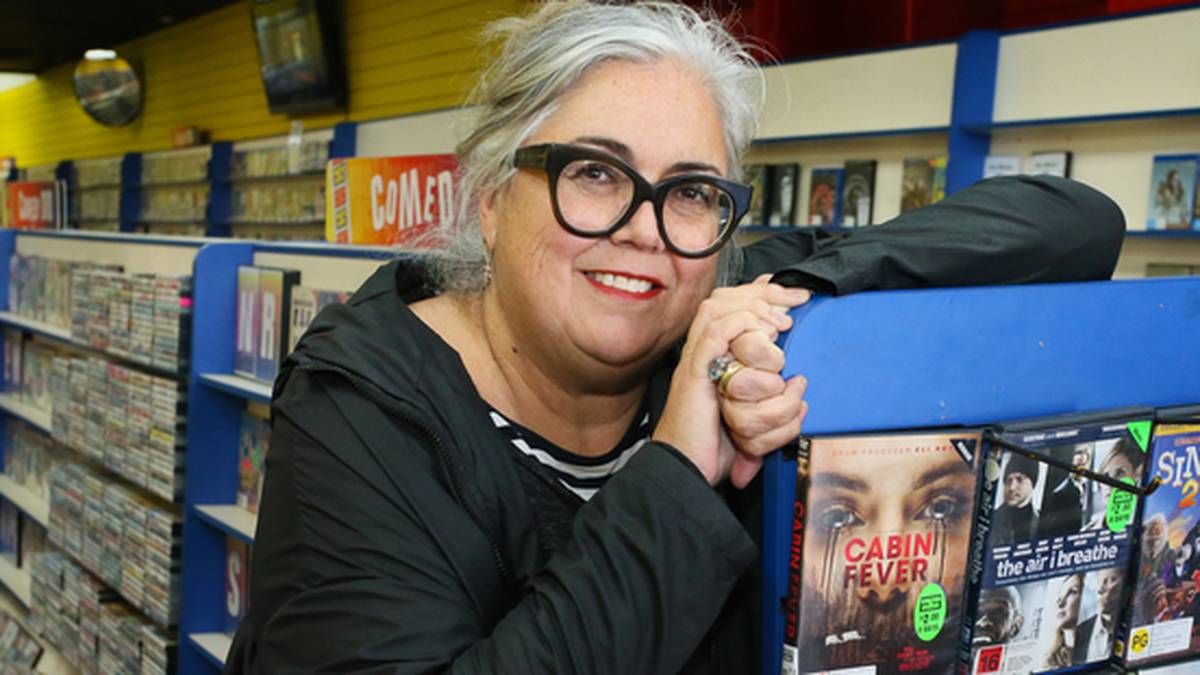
(989, 659)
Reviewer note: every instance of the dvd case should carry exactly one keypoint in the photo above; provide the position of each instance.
(1172, 192)
(1163, 617)
(825, 188)
(275, 294)
(858, 195)
(248, 317)
(1054, 547)
(879, 551)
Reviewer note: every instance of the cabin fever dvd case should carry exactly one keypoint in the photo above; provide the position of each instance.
(1163, 622)
(1054, 547)
(883, 527)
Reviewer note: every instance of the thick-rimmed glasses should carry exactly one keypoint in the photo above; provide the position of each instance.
(595, 194)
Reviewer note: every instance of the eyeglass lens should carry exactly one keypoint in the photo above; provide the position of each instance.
(593, 195)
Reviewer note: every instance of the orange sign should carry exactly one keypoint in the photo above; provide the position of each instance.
(387, 200)
(30, 205)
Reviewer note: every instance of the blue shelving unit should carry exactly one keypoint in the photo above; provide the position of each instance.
(949, 357)
(216, 399)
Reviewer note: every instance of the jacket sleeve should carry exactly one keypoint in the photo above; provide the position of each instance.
(354, 574)
(1019, 229)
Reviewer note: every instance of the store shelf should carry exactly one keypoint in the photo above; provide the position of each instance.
(1084, 119)
(233, 520)
(238, 386)
(37, 327)
(174, 183)
(106, 186)
(23, 498)
(15, 580)
(17, 408)
(1164, 234)
(280, 177)
(310, 221)
(214, 646)
(64, 335)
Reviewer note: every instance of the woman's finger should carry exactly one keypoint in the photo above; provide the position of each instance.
(757, 350)
(752, 385)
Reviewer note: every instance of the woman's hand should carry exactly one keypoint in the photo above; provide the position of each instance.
(728, 436)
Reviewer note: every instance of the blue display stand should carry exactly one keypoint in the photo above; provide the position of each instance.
(970, 356)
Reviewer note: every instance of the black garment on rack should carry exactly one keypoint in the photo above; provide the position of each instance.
(398, 535)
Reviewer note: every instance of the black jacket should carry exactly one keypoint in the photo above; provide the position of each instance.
(399, 532)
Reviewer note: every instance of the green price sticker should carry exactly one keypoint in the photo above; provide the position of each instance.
(1121, 505)
(1140, 431)
(929, 615)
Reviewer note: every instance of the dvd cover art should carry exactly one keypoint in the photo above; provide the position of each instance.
(784, 180)
(885, 538)
(1054, 548)
(248, 317)
(1164, 610)
(916, 186)
(858, 195)
(1172, 192)
(755, 175)
(823, 196)
(275, 294)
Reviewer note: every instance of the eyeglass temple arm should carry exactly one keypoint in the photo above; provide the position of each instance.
(995, 439)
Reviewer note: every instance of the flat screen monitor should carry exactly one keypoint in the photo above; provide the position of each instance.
(299, 52)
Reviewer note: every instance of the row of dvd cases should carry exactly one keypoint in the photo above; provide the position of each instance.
(271, 188)
(109, 520)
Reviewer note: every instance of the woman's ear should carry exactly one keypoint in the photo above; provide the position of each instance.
(488, 215)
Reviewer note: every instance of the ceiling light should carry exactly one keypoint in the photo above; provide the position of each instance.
(99, 55)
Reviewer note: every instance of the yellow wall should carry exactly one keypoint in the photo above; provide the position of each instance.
(401, 57)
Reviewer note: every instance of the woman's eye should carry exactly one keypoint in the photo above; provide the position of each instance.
(838, 517)
(593, 172)
(698, 195)
(941, 509)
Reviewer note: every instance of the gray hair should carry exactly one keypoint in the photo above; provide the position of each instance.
(542, 55)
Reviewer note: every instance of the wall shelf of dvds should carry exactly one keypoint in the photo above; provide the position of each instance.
(226, 431)
(99, 326)
(1054, 357)
(16, 580)
(991, 94)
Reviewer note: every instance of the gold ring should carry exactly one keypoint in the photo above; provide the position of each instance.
(727, 374)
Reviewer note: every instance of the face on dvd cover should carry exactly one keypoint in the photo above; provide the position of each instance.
(885, 551)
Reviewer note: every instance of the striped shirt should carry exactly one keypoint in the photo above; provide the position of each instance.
(583, 476)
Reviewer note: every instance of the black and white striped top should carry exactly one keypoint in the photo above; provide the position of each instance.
(581, 475)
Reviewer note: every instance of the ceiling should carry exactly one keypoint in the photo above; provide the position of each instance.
(39, 34)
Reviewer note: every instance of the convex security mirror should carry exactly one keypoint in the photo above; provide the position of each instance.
(108, 88)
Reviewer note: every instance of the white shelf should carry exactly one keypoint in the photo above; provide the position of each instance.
(33, 506)
(35, 416)
(242, 386)
(233, 519)
(216, 644)
(15, 580)
(39, 327)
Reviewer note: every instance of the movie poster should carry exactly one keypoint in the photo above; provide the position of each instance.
(886, 529)
(1165, 605)
(1055, 548)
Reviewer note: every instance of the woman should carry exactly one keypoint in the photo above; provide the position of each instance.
(503, 459)
(1066, 618)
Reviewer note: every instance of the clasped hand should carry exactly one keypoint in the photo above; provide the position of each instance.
(727, 436)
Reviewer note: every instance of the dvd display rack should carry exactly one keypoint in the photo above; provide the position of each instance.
(1055, 355)
(95, 189)
(175, 191)
(218, 527)
(277, 187)
(98, 465)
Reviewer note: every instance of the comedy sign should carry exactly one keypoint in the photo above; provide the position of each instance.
(387, 201)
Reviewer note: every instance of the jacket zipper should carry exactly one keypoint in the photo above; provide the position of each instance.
(443, 454)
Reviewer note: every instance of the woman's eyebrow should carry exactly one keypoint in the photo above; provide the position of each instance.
(626, 154)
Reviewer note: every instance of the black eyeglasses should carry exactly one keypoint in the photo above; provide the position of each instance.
(595, 194)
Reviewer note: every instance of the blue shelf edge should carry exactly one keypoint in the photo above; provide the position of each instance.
(241, 392)
(1164, 234)
(840, 135)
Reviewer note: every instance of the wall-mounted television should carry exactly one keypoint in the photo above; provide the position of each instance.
(300, 54)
